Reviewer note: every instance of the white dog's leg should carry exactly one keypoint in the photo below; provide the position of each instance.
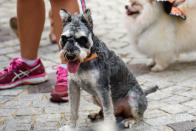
(162, 61)
(150, 63)
(74, 101)
(157, 68)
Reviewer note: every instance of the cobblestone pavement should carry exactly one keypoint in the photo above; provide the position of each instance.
(28, 107)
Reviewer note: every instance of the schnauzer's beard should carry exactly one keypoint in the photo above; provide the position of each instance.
(62, 57)
(74, 65)
(84, 53)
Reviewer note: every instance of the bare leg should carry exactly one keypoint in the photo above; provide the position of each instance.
(31, 18)
(70, 5)
(52, 35)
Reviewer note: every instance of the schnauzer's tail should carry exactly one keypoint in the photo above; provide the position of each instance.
(151, 90)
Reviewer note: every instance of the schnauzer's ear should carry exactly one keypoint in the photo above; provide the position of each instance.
(88, 18)
(65, 16)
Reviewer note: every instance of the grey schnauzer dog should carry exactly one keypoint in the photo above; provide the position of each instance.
(99, 71)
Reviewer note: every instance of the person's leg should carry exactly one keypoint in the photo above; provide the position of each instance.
(60, 92)
(31, 18)
(70, 5)
(28, 69)
(14, 25)
(52, 35)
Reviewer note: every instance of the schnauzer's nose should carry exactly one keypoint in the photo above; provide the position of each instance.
(126, 7)
(70, 56)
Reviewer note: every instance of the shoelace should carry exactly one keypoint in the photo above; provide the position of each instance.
(61, 76)
(13, 65)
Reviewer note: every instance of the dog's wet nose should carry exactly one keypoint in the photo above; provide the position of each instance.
(126, 7)
(70, 56)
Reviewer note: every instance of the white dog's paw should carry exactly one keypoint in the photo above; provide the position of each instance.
(157, 68)
(66, 128)
(150, 63)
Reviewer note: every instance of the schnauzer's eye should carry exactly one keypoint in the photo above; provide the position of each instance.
(83, 42)
(64, 40)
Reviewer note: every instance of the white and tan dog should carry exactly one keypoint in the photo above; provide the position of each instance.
(158, 35)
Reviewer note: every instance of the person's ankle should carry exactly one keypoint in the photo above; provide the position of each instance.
(28, 62)
(63, 66)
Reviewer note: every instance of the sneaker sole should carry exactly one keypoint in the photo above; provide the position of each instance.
(26, 81)
(57, 98)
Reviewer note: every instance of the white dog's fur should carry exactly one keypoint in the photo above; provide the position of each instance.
(160, 36)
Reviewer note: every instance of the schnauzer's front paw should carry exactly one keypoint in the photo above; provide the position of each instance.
(95, 116)
(157, 68)
(128, 123)
(66, 128)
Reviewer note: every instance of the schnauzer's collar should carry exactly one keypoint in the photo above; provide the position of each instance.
(93, 56)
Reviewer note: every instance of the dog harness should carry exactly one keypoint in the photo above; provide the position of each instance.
(93, 56)
(171, 9)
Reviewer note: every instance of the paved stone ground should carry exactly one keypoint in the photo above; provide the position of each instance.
(28, 107)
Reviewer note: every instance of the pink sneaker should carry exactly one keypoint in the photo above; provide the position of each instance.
(19, 73)
(60, 92)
